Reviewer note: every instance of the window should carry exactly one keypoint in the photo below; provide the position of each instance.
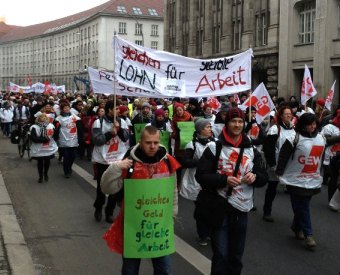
(306, 22)
(199, 42)
(139, 42)
(261, 30)
(154, 45)
(138, 29)
(237, 34)
(136, 11)
(216, 39)
(154, 30)
(122, 28)
(153, 12)
(121, 9)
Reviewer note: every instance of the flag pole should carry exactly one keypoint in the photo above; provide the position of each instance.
(114, 77)
(249, 106)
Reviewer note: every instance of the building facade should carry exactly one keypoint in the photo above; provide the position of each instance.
(284, 35)
(311, 36)
(60, 50)
(216, 28)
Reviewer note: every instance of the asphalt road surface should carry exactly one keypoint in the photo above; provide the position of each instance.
(57, 222)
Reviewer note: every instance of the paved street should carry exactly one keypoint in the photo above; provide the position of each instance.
(57, 222)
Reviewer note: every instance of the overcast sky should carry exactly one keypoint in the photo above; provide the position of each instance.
(30, 12)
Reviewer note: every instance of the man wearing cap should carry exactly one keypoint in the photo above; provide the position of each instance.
(145, 116)
(230, 169)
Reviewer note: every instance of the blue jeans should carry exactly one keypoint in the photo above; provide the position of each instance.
(228, 243)
(161, 266)
(301, 220)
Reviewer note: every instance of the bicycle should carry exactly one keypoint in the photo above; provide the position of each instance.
(24, 140)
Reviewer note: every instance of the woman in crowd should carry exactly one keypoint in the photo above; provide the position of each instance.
(180, 115)
(43, 145)
(298, 167)
(190, 187)
(208, 113)
(276, 136)
(47, 109)
(6, 117)
(68, 128)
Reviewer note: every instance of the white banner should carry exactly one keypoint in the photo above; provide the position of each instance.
(261, 100)
(307, 90)
(36, 88)
(146, 72)
(329, 98)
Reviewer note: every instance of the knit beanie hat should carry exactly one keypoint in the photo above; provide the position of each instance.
(200, 124)
(123, 109)
(178, 105)
(321, 102)
(234, 112)
(146, 105)
(159, 112)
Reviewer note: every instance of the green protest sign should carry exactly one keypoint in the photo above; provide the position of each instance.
(138, 130)
(187, 129)
(165, 137)
(148, 217)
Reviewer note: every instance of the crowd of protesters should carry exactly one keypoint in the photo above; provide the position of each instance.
(230, 153)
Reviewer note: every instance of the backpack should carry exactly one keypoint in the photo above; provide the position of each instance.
(120, 195)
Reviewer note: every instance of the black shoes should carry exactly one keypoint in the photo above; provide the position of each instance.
(40, 180)
(268, 218)
(46, 177)
(98, 215)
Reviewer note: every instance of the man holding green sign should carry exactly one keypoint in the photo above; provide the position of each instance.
(144, 227)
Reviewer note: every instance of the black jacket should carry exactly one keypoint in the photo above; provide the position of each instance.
(206, 172)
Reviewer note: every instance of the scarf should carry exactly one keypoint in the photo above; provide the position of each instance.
(186, 117)
(43, 126)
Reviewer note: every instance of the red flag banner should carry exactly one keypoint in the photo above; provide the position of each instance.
(329, 98)
(307, 90)
(214, 103)
(260, 99)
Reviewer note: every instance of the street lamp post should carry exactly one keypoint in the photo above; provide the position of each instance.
(79, 38)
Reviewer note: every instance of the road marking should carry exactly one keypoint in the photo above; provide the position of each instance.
(190, 254)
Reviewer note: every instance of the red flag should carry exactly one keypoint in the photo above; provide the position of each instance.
(329, 97)
(261, 100)
(214, 103)
(48, 87)
(307, 90)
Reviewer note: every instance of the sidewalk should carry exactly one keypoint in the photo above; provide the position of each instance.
(15, 257)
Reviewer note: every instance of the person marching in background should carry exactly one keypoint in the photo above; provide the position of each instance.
(109, 135)
(276, 136)
(190, 187)
(43, 145)
(299, 168)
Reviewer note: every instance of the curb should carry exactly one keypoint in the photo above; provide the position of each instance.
(18, 255)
